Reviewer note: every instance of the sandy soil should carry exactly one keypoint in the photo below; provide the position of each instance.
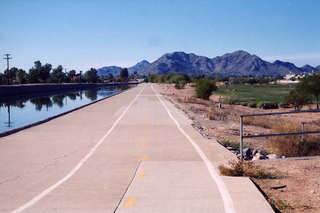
(299, 180)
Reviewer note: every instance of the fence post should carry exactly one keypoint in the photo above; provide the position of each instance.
(241, 137)
(302, 129)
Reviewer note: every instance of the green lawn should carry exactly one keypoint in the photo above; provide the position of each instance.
(245, 93)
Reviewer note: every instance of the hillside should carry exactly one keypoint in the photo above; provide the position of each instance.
(239, 63)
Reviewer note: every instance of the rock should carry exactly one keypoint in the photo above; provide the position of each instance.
(262, 152)
(254, 152)
(259, 156)
(273, 156)
(247, 153)
(230, 148)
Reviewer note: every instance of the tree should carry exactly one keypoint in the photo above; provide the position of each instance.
(72, 75)
(11, 75)
(3, 79)
(205, 87)
(45, 73)
(311, 85)
(298, 99)
(21, 76)
(91, 76)
(39, 73)
(57, 75)
(124, 74)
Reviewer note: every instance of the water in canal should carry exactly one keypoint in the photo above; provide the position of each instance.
(16, 113)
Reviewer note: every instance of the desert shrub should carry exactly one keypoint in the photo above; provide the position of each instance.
(180, 84)
(298, 98)
(283, 105)
(172, 78)
(266, 105)
(205, 87)
(244, 168)
(252, 105)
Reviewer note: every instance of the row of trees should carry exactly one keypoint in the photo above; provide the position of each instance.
(204, 86)
(40, 73)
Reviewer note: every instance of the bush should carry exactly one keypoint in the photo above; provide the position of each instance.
(180, 84)
(252, 105)
(205, 87)
(171, 78)
(283, 105)
(264, 105)
(246, 169)
(298, 98)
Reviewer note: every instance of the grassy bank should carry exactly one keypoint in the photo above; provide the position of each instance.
(245, 93)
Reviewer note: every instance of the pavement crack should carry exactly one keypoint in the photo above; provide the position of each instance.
(125, 192)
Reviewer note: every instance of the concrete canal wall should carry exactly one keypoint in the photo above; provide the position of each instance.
(19, 90)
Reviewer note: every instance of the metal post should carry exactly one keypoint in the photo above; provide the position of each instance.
(302, 130)
(241, 137)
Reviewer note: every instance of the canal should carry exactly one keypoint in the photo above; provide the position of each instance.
(18, 112)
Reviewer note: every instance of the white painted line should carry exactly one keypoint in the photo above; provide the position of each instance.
(227, 200)
(44, 193)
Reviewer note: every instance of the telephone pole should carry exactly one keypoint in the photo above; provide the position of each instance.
(8, 58)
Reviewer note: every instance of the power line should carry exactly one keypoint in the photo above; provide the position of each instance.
(8, 58)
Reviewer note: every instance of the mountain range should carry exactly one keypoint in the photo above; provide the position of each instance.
(238, 64)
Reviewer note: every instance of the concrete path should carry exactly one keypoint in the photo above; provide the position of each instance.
(134, 152)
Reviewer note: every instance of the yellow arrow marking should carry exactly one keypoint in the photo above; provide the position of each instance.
(146, 145)
(145, 157)
(140, 175)
(130, 202)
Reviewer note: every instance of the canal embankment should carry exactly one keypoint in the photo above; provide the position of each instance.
(33, 89)
(26, 110)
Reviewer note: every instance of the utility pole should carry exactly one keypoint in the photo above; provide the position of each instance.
(8, 58)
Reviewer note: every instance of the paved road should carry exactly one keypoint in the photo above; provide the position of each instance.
(134, 152)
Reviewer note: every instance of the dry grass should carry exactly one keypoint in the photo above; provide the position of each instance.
(260, 121)
(294, 146)
(216, 113)
(193, 100)
(246, 169)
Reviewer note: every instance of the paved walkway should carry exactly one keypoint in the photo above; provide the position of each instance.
(134, 152)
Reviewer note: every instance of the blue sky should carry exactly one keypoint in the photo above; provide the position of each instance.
(80, 34)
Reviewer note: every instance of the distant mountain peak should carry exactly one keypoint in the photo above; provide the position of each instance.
(240, 52)
(308, 68)
(238, 63)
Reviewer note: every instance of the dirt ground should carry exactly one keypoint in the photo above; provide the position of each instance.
(297, 186)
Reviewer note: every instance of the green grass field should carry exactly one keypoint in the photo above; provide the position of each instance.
(245, 93)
